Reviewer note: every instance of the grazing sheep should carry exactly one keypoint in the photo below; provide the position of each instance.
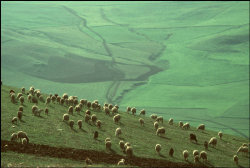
(121, 144)
(143, 112)
(141, 121)
(79, 123)
(14, 137)
(71, 124)
(107, 139)
(243, 149)
(29, 98)
(206, 144)
(65, 117)
(93, 118)
(114, 110)
(58, 99)
(236, 159)
(5, 148)
(244, 144)
(98, 123)
(118, 132)
(201, 127)
(75, 101)
(160, 131)
(38, 112)
(20, 108)
(21, 99)
(129, 151)
(14, 120)
(24, 141)
(46, 111)
(171, 121)
(126, 145)
(19, 115)
(95, 134)
(78, 109)
(13, 98)
(108, 145)
(70, 110)
(106, 104)
(171, 152)
(128, 109)
(19, 95)
(158, 148)
(88, 161)
(203, 155)
(31, 91)
(34, 109)
(196, 152)
(87, 118)
(158, 119)
(213, 141)
(196, 159)
(185, 154)
(88, 112)
(186, 126)
(41, 98)
(110, 106)
(106, 109)
(48, 100)
(88, 105)
(133, 110)
(220, 134)
(83, 101)
(62, 101)
(65, 96)
(117, 118)
(180, 124)
(38, 94)
(66, 101)
(12, 92)
(53, 98)
(21, 134)
(94, 105)
(121, 162)
(153, 116)
(23, 90)
(192, 137)
(34, 100)
(156, 125)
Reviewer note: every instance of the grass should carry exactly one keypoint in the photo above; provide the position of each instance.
(57, 133)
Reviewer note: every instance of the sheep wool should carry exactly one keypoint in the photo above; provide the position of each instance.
(71, 124)
(128, 109)
(117, 118)
(129, 151)
(160, 118)
(153, 116)
(121, 162)
(160, 131)
(24, 141)
(133, 110)
(70, 110)
(236, 159)
(65, 117)
(14, 137)
(213, 141)
(180, 124)
(158, 148)
(98, 123)
(21, 99)
(201, 127)
(20, 108)
(195, 152)
(21, 134)
(79, 123)
(87, 118)
(185, 154)
(118, 131)
(143, 112)
(108, 145)
(19, 115)
(171, 121)
(14, 120)
(203, 155)
(156, 125)
(93, 118)
(220, 134)
(121, 144)
(141, 121)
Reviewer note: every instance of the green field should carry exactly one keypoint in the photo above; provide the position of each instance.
(185, 60)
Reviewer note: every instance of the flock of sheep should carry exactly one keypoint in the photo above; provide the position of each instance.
(77, 106)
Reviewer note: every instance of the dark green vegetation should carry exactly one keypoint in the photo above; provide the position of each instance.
(51, 130)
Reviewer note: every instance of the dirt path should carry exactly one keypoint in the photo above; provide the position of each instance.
(96, 156)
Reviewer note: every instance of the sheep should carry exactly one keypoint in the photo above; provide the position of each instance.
(46, 111)
(196, 159)
(5, 148)
(88, 161)
(20, 108)
(75, 102)
(158, 148)
(71, 124)
(70, 110)
(21, 134)
(95, 134)
(243, 149)
(156, 125)
(110, 106)
(31, 91)
(62, 101)
(236, 159)
(121, 144)
(206, 144)
(50, 95)
(213, 141)
(105, 104)
(143, 112)
(129, 151)
(108, 145)
(34, 109)
(160, 131)
(88, 105)
(114, 110)
(141, 121)
(180, 124)
(128, 109)
(65, 96)
(244, 144)
(118, 132)
(107, 139)
(220, 134)
(83, 101)
(171, 152)
(88, 112)
(53, 99)
(121, 162)
(58, 99)
(186, 126)
(12, 91)
(41, 98)
(29, 98)
(79, 123)
(66, 101)
(14, 137)
(87, 118)
(126, 145)
(21, 99)
(14, 120)
(185, 154)
(116, 106)
(117, 118)
(13, 98)
(133, 110)
(23, 90)
(38, 112)
(19, 95)
(195, 152)
(171, 121)
(93, 118)
(38, 94)
(48, 100)
(98, 123)
(192, 137)
(34, 100)
(24, 141)
(66, 117)
(94, 105)
(158, 119)
(203, 155)
(78, 109)
(106, 109)
(153, 116)
(201, 127)
(19, 115)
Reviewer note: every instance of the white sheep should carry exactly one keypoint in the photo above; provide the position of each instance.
(160, 118)
(87, 118)
(70, 110)
(71, 124)
(21, 134)
(106, 110)
(133, 110)
(171, 121)
(236, 159)
(117, 118)
(213, 141)
(121, 162)
(156, 125)
(180, 124)
(114, 110)
(158, 148)
(121, 144)
(160, 131)
(220, 134)
(14, 120)
(141, 121)
(186, 126)
(143, 112)
(185, 154)
(195, 152)
(243, 149)
(79, 123)
(126, 145)
(128, 109)
(129, 151)
(108, 145)
(153, 116)
(14, 137)
(196, 158)
(66, 117)
(203, 155)
(93, 118)
(107, 139)
(201, 127)
(24, 141)
(98, 123)
(118, 132)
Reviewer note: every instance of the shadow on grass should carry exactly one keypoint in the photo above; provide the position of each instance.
(41, 117)
(22, 121)
(82, 130)
(111, 151)
(98, 140)
(204, 132)
(121, 138)
(163, 156)
(165, 137)
(73, 129)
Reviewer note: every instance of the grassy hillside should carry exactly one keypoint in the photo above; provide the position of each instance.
(51, 130)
